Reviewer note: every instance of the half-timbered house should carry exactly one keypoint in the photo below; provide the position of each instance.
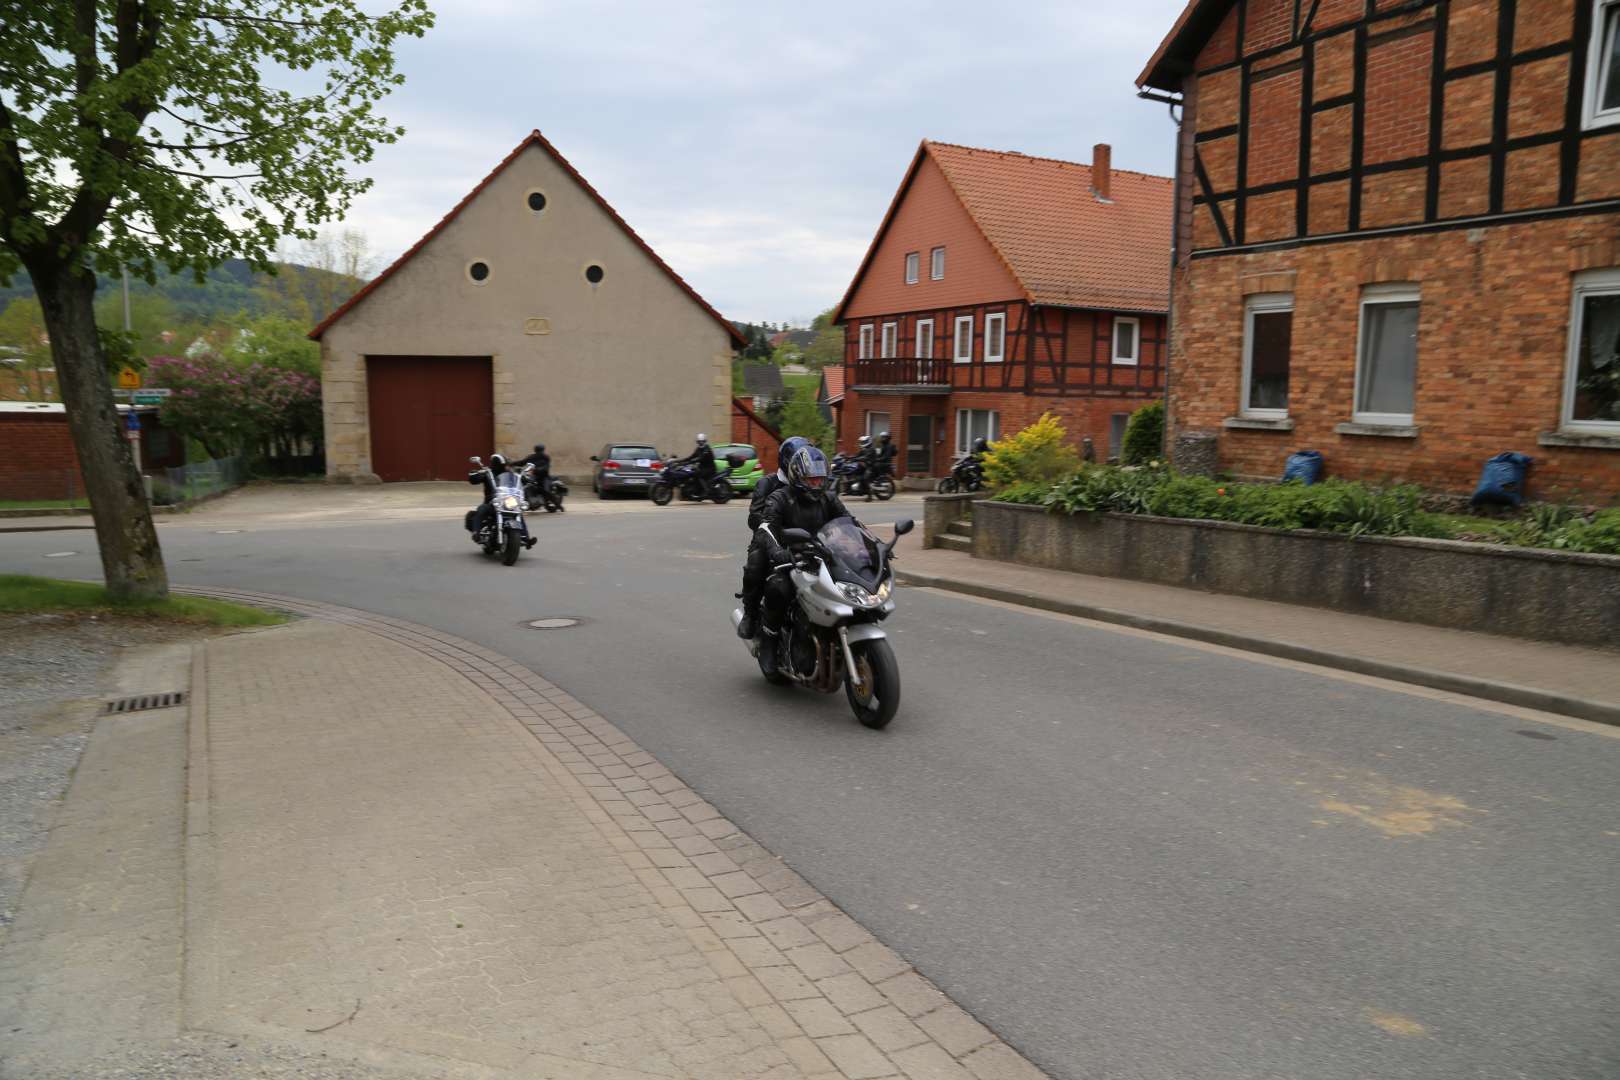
(1000, 286)
(1398, 236)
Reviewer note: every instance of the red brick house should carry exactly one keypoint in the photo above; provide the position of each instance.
(1001, 286)
(1398, 236)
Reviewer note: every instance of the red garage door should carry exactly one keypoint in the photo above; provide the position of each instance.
(429, 414)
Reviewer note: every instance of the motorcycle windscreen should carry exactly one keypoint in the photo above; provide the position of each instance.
(509, 481)
(853, 550)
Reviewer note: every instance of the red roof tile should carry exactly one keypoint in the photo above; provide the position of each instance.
(1066, 247)
(534, 139)
(832, 376)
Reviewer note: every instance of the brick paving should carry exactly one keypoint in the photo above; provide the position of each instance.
(422, 846)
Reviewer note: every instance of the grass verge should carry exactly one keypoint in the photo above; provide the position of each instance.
(22, 594)
(42, 504)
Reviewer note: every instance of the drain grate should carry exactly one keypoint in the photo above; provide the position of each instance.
(142, 702)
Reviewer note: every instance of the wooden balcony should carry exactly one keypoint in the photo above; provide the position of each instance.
(901, 375)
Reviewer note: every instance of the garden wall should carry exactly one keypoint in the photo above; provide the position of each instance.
(1523, 592)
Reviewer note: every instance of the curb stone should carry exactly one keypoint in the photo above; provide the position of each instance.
(839, 1003)
(1490, 690)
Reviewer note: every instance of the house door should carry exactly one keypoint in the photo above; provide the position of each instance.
(919, 445)
(428, 414)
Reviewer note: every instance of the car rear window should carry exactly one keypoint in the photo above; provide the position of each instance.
(631, 453)
(746, 453)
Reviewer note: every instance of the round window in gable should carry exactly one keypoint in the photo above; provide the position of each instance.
(594, 274)
(537, 201)
(478, 271)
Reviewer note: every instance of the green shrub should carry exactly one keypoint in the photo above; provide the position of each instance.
(1144, 435)
(1026, 493)
(1038, 454)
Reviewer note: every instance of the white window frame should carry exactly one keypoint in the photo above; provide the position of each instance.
(1591, 115)
(872, 430)
(964, 432)
(1136, 340)
(1589, 283)
(925, 353)
(1373, 295)
(913, 267)
(1261, 304)
(956, 339)
(999, 320)
(864, 349)
(889, 346)
(936, 264)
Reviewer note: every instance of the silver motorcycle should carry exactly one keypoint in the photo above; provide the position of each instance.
(832, 634)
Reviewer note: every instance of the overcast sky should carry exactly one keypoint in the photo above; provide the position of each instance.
(756, 145)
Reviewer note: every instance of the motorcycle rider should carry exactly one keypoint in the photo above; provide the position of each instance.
(757, 567)
(702, 457)
(542, 470)
(883, 456)
(975, 457)
(807, 503)
(486, 476)
(865, 459)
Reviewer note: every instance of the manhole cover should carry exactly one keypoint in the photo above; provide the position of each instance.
(226, 532)
(556, 622)
(60, 554)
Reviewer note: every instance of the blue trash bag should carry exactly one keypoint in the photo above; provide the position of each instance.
(1502, 482)
(1304, 466)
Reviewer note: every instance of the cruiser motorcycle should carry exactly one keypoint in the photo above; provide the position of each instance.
(505, 533)
(832, 634)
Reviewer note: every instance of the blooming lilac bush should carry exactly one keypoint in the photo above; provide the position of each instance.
(233, 409)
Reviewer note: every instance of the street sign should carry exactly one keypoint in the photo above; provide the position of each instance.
(132, 423)
(129, 379)
(149, 396)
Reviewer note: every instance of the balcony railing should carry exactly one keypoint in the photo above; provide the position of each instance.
(902, 371)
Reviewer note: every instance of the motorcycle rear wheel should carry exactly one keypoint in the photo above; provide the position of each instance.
(875, 705)
(512, 546)
(883, 488)
(721, 492)
(661, 494)
(947, 486)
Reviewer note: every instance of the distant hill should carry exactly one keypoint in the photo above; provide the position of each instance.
(228, 289)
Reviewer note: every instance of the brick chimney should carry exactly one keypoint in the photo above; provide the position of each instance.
(1102, 171)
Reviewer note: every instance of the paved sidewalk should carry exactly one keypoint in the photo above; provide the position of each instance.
(1557, 678)
(377, 843)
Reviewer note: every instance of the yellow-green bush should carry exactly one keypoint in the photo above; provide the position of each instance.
(1039, 454)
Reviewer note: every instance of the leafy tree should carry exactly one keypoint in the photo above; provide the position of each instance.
(22, 329)
(275, 341)
(828, 347)
(150, 132)
(801, 416)
(1038, 454)
(1144, 435)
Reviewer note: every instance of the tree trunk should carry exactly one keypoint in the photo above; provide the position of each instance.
(131, 560)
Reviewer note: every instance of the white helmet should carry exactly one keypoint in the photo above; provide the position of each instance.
(702, 438)
(864, 441)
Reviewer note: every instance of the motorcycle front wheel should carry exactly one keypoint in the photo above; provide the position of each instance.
(878, 699)
(883, 488)
(947, 486)
(661, 494)
(511, 547)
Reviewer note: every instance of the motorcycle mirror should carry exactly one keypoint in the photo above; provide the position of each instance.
(903, 526)
(796, 536)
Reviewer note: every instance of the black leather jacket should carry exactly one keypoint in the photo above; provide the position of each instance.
(762, 492)
(786, 508)
(703, 458)
(541, 463)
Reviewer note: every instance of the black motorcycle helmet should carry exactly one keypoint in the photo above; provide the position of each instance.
(539, 448)
(497, 463)
(980, 445)
(807, 471)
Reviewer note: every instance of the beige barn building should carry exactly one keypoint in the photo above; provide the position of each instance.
(530, 313)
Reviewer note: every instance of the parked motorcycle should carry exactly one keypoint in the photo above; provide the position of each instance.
(684, 479)
(831, 635)
(550, 495)
(966, 475)
(504, 533)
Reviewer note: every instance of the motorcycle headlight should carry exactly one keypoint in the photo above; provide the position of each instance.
(509, 502)
(857, 595)
(885, 589)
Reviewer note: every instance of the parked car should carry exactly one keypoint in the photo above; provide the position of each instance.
(624, 467)
(746, 469)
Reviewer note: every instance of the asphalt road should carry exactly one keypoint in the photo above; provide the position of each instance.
(1132, 858)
